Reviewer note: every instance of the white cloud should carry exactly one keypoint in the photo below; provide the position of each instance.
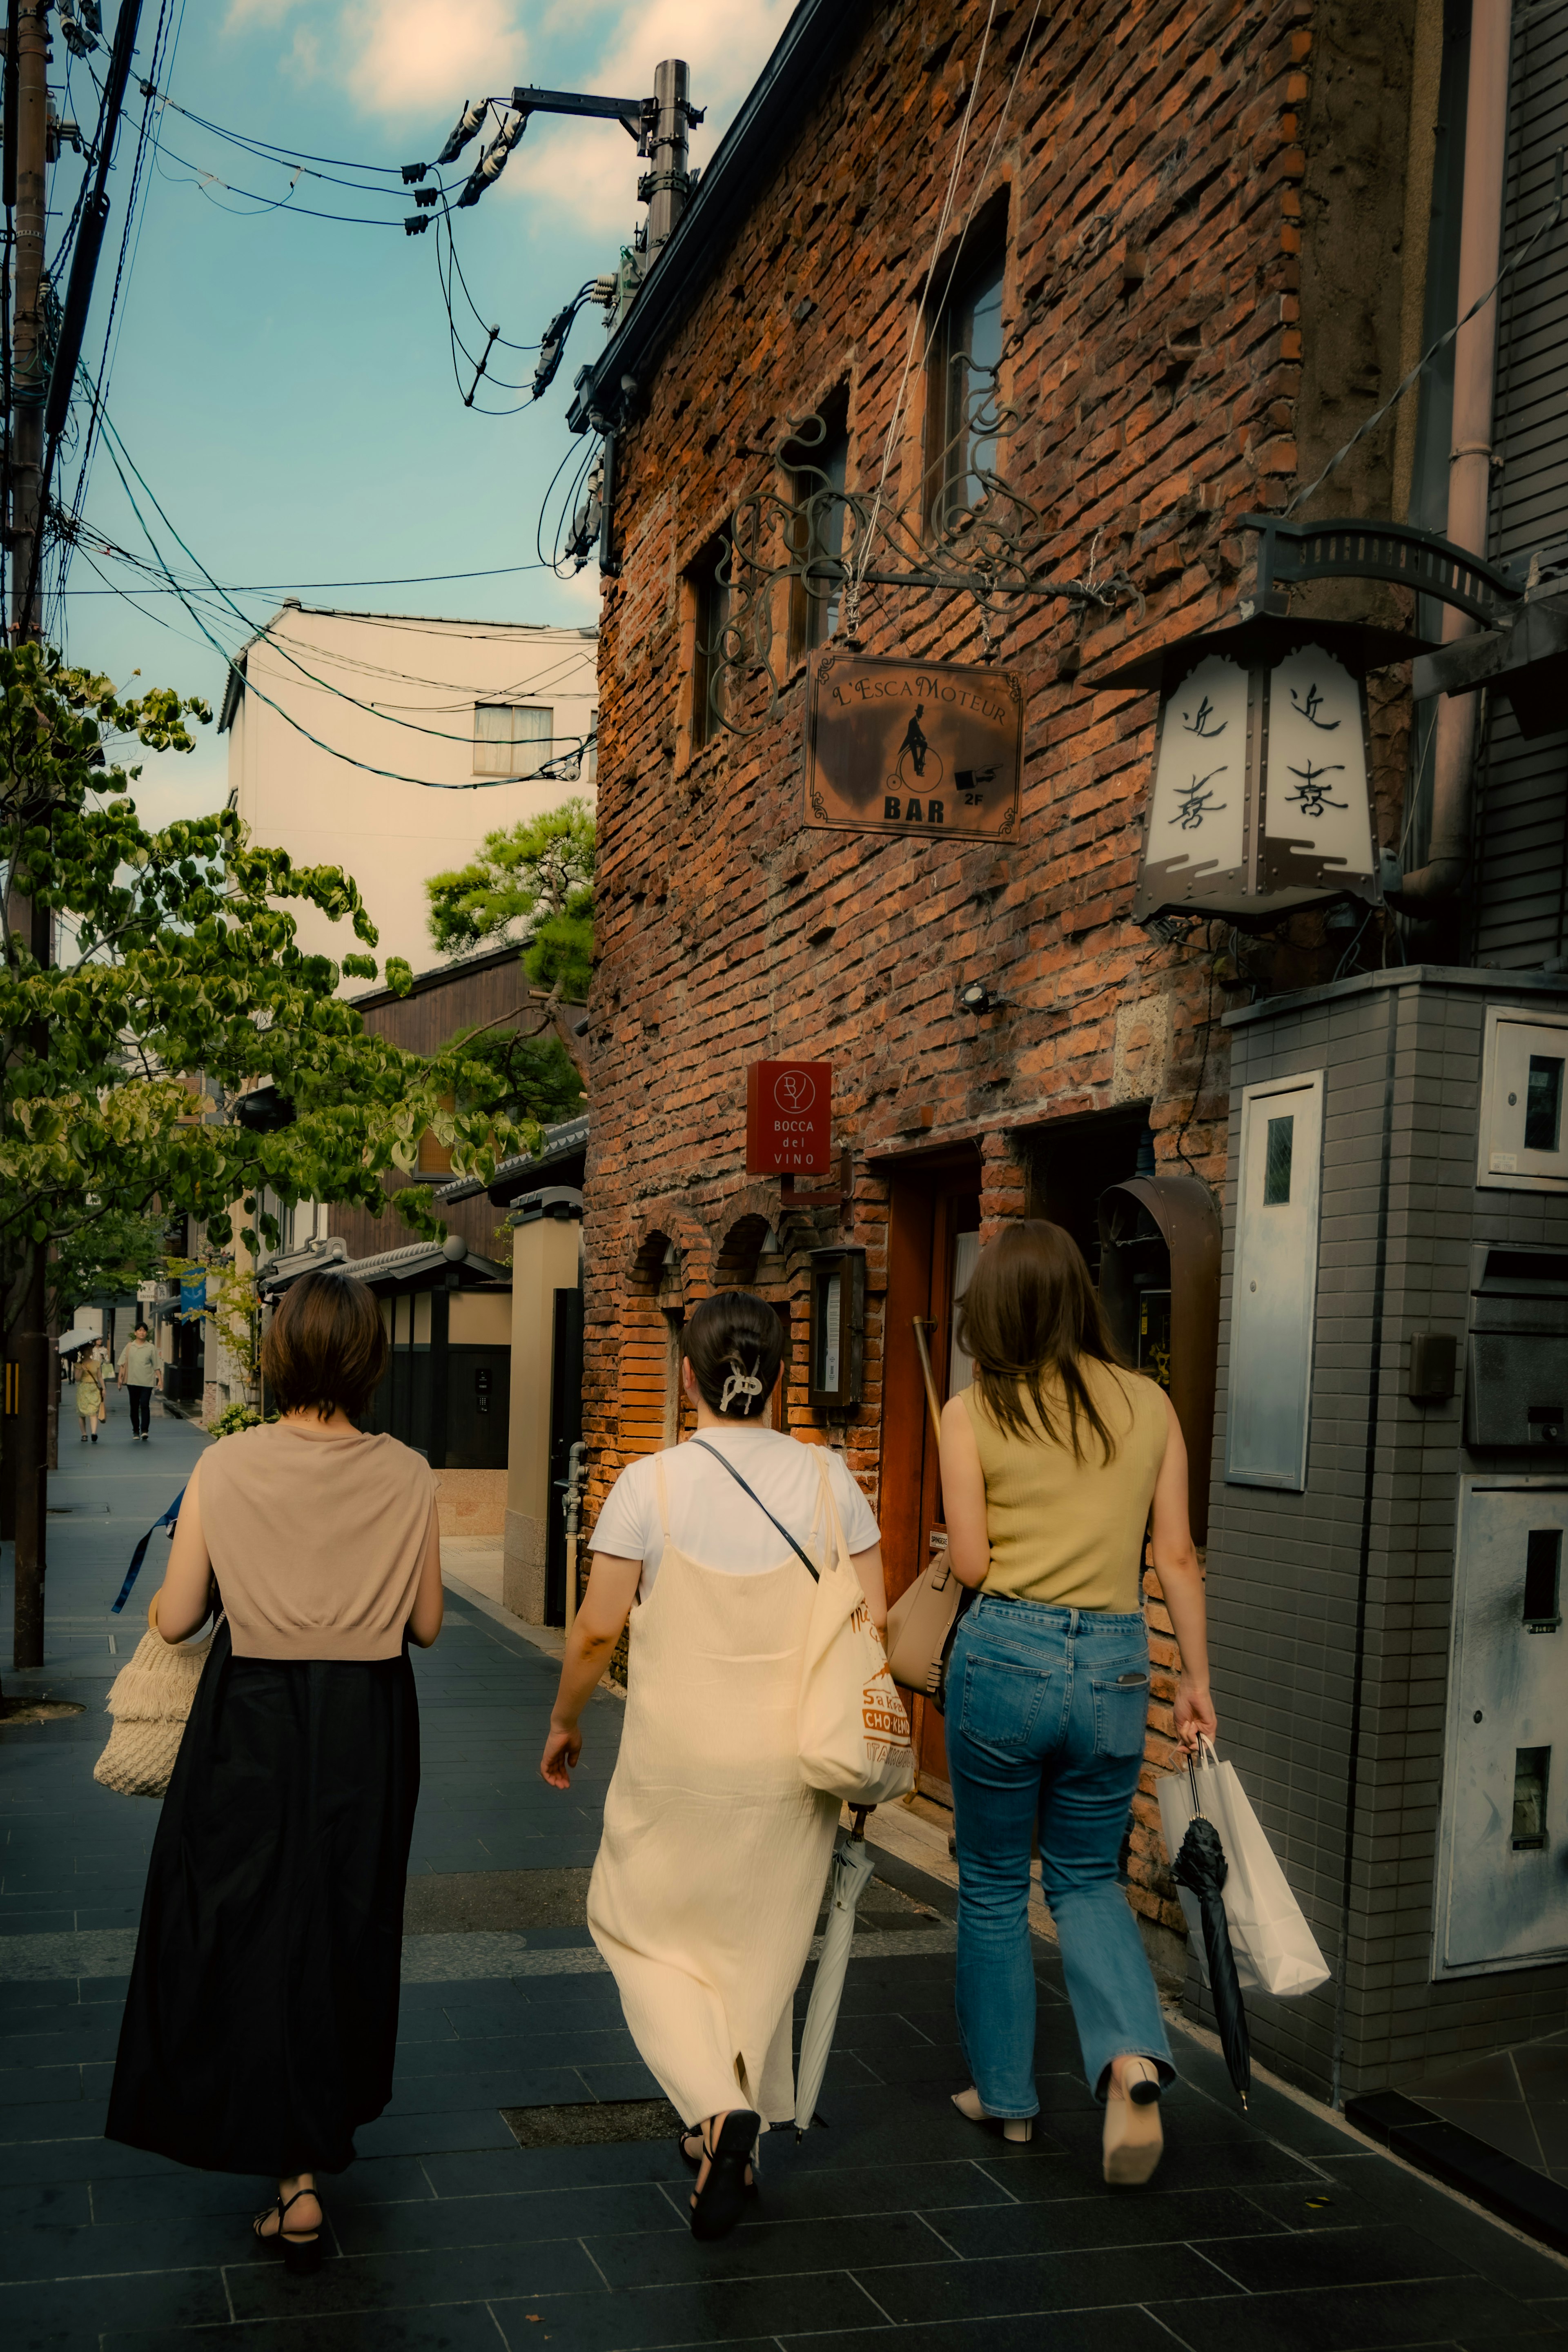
(405, 54)
(401, 57)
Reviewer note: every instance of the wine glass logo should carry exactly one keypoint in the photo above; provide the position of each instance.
(794, 1091)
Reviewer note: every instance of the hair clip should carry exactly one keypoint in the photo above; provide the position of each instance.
(738, 1383)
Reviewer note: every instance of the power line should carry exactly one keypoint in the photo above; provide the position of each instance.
(130, 246)
(268, 150)
(478, 783)
(205, 182)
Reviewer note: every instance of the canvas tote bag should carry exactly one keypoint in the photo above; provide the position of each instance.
(854, 1735)
(1275, 1949)
(150, 1700)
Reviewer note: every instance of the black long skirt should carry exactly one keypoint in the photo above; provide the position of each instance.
(262, 2015)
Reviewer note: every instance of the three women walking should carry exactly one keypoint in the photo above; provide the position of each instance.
(262, 2012)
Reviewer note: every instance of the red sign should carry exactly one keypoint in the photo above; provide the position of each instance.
(789, 1119)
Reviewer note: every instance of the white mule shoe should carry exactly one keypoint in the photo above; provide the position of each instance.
(1135, 2138)
(1018, 2128)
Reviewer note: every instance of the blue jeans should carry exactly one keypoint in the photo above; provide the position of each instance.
(1046, 1716)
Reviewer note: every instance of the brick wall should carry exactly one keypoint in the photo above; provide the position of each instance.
(1150, 165)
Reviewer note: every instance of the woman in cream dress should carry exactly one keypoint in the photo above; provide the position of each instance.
(711, 1873)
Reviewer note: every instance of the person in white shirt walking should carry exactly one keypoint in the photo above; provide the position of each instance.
(715, 1853)
(140, 1370)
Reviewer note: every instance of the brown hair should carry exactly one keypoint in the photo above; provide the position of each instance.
(734, 1335)
(325, 1346)
(1029, 1314)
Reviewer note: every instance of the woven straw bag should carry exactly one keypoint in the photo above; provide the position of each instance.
(150, 1700)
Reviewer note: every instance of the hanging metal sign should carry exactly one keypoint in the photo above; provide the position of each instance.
(789, 1119)
(933, 748)
(1261, 798)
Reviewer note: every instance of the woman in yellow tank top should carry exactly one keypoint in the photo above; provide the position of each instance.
(1050, 1464)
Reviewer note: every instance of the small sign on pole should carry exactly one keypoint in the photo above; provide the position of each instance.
(931, 748)
(789, 1119)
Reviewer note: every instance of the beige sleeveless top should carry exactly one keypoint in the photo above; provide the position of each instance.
(1064, 1531)
(317, 1542)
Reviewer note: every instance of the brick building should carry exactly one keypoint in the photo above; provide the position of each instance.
(1193, 246)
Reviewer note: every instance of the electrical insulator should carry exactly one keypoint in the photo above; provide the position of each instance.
(604, 290)
(415, 223)
(468, 123)
(427, 196)
(412, 173)
(79, 39)
(493, 162)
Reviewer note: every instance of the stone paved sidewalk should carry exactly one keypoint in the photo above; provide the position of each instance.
(1273, 2231)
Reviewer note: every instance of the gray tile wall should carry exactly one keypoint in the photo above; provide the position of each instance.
(1285, 1570)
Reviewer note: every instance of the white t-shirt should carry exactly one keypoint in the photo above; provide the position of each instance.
(712, 1521)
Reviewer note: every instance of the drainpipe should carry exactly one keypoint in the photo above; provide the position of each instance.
(1469, 460)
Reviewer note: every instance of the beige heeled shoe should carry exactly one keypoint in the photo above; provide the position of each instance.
(1135, 2137)
(1018, 2128)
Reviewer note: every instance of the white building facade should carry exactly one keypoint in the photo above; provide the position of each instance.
(390, 745)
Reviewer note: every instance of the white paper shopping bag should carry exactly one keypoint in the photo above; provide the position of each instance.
(1275, 1949)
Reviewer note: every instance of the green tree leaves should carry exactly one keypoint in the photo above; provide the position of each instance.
(538, 876)
(120, 1068)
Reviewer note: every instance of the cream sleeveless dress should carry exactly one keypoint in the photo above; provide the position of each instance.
(711, 1871)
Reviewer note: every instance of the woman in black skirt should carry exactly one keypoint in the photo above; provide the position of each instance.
(262, 2014)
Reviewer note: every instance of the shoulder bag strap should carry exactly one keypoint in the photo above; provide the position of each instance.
(806, 1563)
(835, 1523)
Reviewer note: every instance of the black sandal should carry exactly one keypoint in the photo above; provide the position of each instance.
(681, 2136)
(719, 2202)
(301, 2253)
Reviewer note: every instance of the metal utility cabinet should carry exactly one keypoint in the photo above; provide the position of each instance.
(1389, 1503)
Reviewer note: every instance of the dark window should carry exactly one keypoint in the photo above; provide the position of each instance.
(817, 486)
(1530, 1769)
(963, 393)
(1276, 1161)
(1543, 1104)
(1542, 1576)
(714, 596)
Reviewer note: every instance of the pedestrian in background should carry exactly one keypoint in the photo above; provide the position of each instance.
(710, 1876)
(140, 1371)
(262, 2014)
(1050, 1463)
(90, 1392)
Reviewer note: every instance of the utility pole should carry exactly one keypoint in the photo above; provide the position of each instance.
(29, 1428)
(30, 373)
(667, 182)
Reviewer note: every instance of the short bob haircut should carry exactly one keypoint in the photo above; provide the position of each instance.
(1029, 1318)
(325, 1346)
(734, 1337)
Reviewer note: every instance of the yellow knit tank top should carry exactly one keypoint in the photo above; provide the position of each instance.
(1066, 1531)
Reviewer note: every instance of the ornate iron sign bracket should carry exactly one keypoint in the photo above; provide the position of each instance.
(801, 548)
(1352, 548)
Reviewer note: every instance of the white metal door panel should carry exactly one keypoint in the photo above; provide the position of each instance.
(1502, 1847)
(1270, 1393)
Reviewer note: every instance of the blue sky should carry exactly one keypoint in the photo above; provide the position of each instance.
(285, 384)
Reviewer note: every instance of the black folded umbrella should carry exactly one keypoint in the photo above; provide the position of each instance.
(1201, 1867)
